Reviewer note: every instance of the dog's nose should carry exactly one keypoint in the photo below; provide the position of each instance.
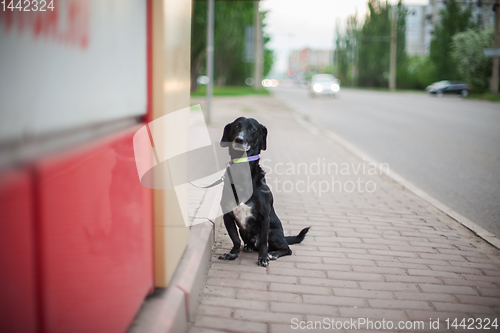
(238, 140)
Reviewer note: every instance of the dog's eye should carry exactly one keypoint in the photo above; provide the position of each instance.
(237, 125)
(252, 129)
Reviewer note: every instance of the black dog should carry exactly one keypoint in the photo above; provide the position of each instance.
(259, 226)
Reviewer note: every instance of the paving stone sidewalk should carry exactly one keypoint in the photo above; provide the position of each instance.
(374, 251)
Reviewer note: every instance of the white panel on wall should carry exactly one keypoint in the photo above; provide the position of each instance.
(82, 63)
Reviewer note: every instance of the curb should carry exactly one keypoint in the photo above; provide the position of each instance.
(172, 309)
(476, 229)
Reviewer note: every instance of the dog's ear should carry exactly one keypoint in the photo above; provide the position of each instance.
(263, 137)
(225, 141)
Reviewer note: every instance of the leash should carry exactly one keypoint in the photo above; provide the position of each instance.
(217, 182)
(233, 161)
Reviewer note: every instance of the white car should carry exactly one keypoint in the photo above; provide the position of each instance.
(324, 84)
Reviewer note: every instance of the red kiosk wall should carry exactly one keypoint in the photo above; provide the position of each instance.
(95, 236)
(17, 262)
(75, 226)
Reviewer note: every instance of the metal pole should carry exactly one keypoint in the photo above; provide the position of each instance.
(210, 58)
(357, 61)
(257, 75)
(332, 55)
(335, 56)
(496, 45)
(392, 69)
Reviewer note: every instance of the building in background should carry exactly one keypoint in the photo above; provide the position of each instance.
(482, 11)
(307, 61)
(422, 19)
(418, 29)
(483, 14)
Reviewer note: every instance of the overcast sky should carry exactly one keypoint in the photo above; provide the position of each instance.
(296, 24)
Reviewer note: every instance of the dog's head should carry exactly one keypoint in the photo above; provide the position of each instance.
(244, 135)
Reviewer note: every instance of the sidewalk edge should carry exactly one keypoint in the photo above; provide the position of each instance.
(171, 310)
(476, 229)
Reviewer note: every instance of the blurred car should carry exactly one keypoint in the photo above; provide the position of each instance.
(449, 87)
(324, 84)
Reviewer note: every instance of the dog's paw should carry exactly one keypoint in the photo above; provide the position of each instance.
(248, 248)
(228, 256)
(264, 262)
(272, 256)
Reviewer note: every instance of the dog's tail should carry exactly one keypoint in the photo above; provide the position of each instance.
(297, 239)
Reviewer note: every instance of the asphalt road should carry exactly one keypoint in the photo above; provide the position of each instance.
(449, 147)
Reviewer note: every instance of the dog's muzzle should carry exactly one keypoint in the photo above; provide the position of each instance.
(240, 144)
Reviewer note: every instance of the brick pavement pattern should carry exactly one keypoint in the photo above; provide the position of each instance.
(374, 250)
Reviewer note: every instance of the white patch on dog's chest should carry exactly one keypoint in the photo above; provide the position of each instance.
(242, 213)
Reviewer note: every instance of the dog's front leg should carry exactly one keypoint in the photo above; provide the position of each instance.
(264, 232)
(233, 234)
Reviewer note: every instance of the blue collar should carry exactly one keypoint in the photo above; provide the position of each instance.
(245, 159)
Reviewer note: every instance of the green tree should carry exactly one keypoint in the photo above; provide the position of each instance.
(198, 40)
(230, 20)
(373, 56)
(345, 51)
(374, 44)
(401, 56)
(454, 19)
(268, 57)
(420, 71)
(467, 53)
